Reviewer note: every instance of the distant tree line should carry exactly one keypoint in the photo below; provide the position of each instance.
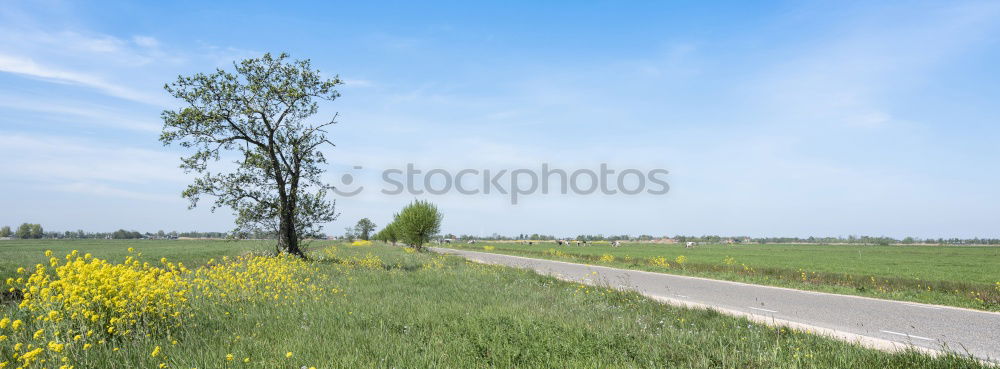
(35, 231)
(365, 226)
(26, 230)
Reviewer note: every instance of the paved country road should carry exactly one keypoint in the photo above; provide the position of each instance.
(883, 324)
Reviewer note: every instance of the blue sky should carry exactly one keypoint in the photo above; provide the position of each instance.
(787, 118)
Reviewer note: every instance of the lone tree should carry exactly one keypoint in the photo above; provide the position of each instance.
(257, 116)
(29, 230)
(417, 222)
(350, 233)
(364, 228)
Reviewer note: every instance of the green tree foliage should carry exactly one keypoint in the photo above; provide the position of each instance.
(350, 233)
(37, 231)
(258, 115)
(122, 234)
(28, 230)
(364, 228)
(5, 231)
(388, 234)
(417, 223)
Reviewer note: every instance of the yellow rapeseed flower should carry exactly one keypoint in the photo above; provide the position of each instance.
(114, 300)
(30, 356)
(660, 262)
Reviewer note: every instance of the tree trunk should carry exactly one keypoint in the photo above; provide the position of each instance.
(287, 236)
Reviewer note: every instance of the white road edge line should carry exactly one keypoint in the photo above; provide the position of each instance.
(767, 310)
(942, 307)
(906, 335)
(924, 306)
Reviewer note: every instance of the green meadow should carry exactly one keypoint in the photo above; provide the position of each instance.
(26, 253)
(381, 306)
(965, 276)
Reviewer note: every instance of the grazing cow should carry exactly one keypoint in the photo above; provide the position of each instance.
(690, 245)
(616, 244)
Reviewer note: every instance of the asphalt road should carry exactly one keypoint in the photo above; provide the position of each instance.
(883, 324)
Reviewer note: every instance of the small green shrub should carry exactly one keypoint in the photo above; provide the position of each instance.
(417, 223)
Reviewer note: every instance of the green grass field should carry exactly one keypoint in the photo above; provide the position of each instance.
(25, 253)
(949, 275)
(386, 307)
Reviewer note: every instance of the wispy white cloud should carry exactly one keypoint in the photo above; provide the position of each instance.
(82, 115)
(130, 67)
(28, 67)
(57, 159)
(106, 191)
(101, 44)
(848, 78)
(146, 41)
